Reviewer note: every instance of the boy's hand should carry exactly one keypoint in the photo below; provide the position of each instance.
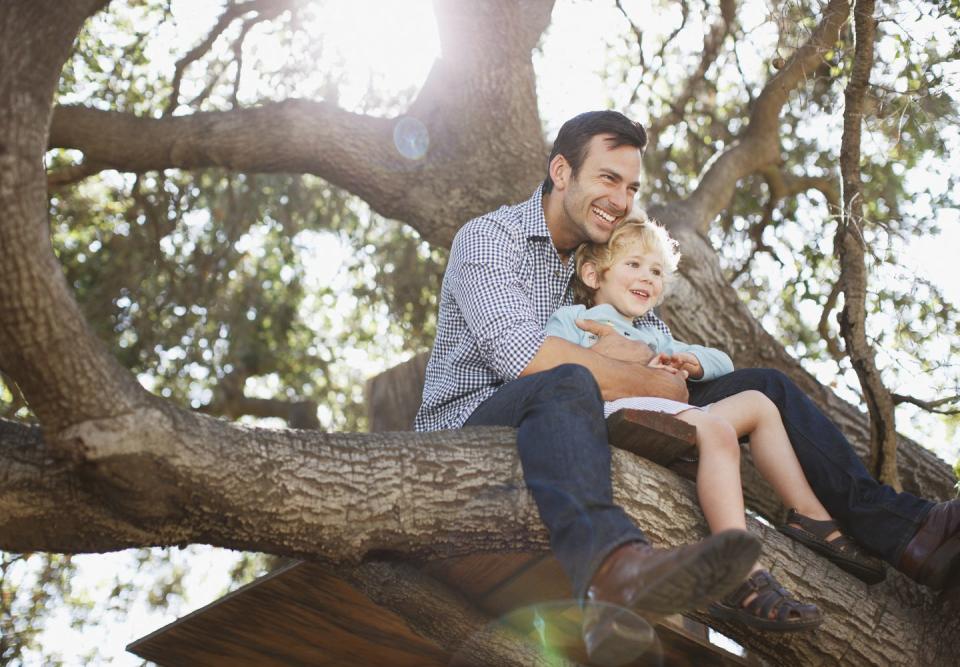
(614, 346)
(667, 363)
(683, 361)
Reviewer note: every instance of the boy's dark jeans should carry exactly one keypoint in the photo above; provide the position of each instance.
(562, 442)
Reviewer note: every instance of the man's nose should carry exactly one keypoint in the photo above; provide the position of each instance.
(619, 198)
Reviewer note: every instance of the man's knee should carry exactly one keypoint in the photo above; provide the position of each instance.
(772, 383)
(570, 381)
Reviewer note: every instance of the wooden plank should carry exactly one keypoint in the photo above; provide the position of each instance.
(653, 435)
(536, 600)
(298, 615)
(476, 575)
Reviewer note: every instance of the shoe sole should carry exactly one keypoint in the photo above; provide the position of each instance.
(703, 575)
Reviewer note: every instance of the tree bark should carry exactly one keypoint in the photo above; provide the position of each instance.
(338, 498)
(116, 467)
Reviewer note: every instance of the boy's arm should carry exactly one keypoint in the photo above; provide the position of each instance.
(617, 379)
(714, 362)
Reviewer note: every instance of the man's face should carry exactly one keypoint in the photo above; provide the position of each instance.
(602, 192)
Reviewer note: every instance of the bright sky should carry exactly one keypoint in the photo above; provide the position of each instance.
(397, 48)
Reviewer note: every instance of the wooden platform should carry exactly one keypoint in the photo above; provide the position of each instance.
(302, 615)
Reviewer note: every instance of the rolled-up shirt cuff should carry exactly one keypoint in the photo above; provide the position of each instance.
(513, 351)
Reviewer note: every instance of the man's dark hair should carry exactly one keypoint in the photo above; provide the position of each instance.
(573, 140)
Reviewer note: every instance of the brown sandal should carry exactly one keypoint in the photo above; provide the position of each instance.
(841, 550)
(772, 609)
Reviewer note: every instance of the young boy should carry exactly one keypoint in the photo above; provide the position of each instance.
(620, 281)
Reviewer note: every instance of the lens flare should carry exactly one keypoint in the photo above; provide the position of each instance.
(549, 633)
(411, 138)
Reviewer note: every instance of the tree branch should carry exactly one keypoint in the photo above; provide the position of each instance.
(929, 406)
(163, 477)
(850, 248)
(73, 174)
(834, 348)
(759, 143)
(712, 42)
(297, 414)
(478, 104)
(266, 10)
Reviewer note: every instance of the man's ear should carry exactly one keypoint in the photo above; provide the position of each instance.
(590, 275)
(559, 172)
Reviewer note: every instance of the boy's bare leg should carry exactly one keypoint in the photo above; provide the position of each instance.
(718, 471)
(751, 413)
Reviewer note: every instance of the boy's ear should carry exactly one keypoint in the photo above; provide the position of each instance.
(559, 171)
(590, 275)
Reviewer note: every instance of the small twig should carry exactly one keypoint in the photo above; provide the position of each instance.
(73, 174)
(929, 406)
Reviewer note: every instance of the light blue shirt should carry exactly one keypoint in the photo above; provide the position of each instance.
(562, 324)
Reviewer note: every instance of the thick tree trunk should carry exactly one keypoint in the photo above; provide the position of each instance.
(339, 498)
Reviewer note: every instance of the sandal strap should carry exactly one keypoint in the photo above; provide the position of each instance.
(821, 529)
(772, 600)
(816, 527)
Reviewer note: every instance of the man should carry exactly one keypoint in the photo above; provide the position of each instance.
(492, 364)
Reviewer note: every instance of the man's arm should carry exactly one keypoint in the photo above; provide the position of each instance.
(617, 379)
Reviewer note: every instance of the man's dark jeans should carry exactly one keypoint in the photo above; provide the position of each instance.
(562, 442)
(874, 514)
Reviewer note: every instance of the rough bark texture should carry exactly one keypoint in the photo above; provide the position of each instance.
(339, 498)
(850, 248)
(116, 467)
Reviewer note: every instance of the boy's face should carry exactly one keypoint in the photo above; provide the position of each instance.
(634, 282)
(602, 192)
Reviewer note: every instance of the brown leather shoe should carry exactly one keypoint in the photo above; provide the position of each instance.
(932, 557)
(659, 582)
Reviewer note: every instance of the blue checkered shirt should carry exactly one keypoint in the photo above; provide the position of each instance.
(503, 281)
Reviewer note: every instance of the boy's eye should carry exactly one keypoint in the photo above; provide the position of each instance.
(656, 272)
(633, 265)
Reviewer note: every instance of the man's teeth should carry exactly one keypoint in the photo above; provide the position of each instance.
(603, 214)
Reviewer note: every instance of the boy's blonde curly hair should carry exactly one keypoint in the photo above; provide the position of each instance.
(636, 228)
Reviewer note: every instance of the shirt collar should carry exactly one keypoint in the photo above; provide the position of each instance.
(611, 314)
(532, 219)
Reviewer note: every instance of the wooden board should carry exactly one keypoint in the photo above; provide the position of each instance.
(302, 615)
(297, 615)
(655, 436)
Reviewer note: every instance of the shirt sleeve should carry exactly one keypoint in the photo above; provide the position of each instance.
(484, 280)
(562, 324)
(714, 362)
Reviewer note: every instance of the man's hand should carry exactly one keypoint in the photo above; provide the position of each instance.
(684, 362)
(614, 346)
